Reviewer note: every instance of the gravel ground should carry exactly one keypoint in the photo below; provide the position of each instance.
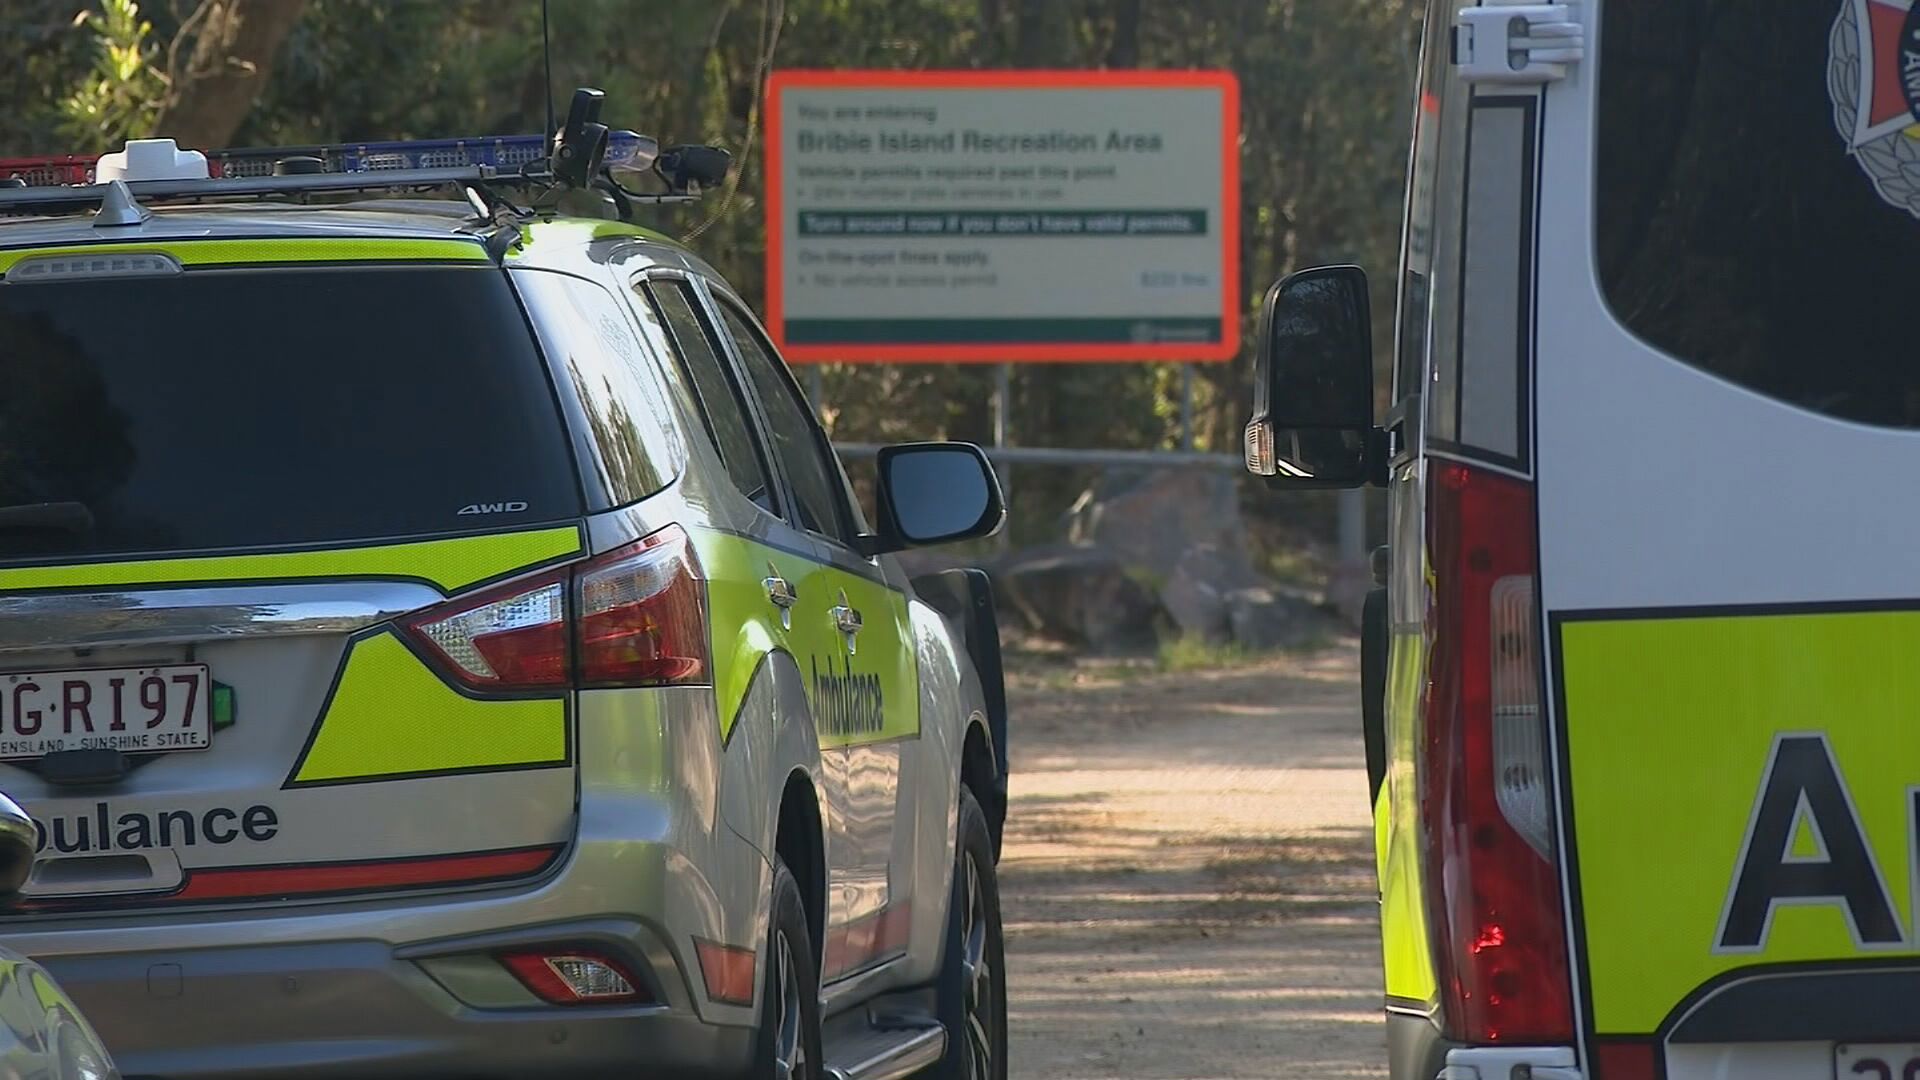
(1188, 875)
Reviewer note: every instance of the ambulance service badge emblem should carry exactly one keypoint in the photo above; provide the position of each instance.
(1873, 76)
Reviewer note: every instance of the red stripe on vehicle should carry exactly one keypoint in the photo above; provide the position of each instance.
(251, 882)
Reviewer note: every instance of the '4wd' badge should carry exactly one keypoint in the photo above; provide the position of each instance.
(1874, 78)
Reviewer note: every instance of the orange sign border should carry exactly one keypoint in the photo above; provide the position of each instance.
(1000, 352)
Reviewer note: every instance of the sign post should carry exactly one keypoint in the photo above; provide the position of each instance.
(995, 216)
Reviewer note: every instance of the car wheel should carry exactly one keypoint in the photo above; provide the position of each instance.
(973, 977)
(790, 1001)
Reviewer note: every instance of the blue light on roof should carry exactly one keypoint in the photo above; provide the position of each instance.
(506, 153)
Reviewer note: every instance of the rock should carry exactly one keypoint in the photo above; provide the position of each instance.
(1081, 595)
(1263, 619)
(1182, 530)
(919, 562)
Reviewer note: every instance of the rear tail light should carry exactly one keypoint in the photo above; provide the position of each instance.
(1492, 872)
(643, 619)
(1519, 732)
(509, 638)
(632, 617)
(569, 976)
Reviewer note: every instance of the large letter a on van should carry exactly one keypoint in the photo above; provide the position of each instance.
(1803, 798)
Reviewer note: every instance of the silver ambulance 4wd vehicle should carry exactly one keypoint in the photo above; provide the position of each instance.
(1640, 685)
(436, 639)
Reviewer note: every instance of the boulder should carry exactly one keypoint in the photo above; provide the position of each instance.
(1262, 618)
(1076, 594)
(1180, 529)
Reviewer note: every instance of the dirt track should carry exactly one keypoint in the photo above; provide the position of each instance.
(1188, 877)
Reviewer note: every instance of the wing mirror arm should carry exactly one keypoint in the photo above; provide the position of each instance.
(1379, 457)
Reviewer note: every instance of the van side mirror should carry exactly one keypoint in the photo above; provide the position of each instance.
(17, 843)
(934, 493)
(1312, 423)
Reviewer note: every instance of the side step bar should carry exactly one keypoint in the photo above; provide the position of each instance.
(860, 1051)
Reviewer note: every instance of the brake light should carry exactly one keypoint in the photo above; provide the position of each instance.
(632, 617)
(1492, 870)
(514, 637)
(643, 618)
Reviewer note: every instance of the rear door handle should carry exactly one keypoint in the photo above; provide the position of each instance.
(782, 596)
(846, 619)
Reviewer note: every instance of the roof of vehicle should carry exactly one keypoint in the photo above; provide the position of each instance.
(552, 242)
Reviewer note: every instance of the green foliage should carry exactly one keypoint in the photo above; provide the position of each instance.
(121, 95)
(1191, 652)
(1326, 88)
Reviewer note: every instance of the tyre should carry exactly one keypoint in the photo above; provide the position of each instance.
(789, 1044)
(973, 974)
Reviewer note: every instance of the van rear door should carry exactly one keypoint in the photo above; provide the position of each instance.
(1728, 416)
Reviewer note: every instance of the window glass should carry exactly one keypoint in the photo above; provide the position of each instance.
(1759, 181)
(1432, 187)
(627, 410)
(435, 414)
(817, 488)
(720, 405)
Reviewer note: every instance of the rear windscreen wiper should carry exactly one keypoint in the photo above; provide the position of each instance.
(67, 517)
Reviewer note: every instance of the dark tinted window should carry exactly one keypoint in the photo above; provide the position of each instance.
(817, 487)
(720, 405)
(627, 410)
(1758, 192)
(223, 409)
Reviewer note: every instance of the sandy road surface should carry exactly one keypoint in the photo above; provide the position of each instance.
(1188, 879)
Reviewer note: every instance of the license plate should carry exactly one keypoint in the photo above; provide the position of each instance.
(134, 710)
(1876, 1061)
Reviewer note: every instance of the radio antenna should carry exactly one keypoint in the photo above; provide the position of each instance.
(546, 62)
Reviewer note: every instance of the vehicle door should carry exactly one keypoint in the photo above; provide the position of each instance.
(853, 646)
(1728, 404)
(1426, 343)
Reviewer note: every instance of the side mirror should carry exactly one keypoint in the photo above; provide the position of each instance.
(935, 493)
(1312, 423)
(17, 844)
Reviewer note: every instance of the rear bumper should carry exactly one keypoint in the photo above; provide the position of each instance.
(1417, 1051)
(408, 985)
(354, 1009)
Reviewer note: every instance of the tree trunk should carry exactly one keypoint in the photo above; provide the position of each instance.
(1125, 50)
(1043, 35)
(233, 50)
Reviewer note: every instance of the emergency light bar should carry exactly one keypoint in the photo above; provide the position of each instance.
(582, 156)
(626, 150)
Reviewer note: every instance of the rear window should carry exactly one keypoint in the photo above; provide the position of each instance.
(231, 409)
(1759, 186)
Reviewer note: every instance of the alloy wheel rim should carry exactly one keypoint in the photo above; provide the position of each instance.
(789, 1045)
(976, 974)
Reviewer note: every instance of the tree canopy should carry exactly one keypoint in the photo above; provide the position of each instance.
(1325, 86)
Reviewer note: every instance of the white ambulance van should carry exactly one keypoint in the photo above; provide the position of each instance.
(1644, 671)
